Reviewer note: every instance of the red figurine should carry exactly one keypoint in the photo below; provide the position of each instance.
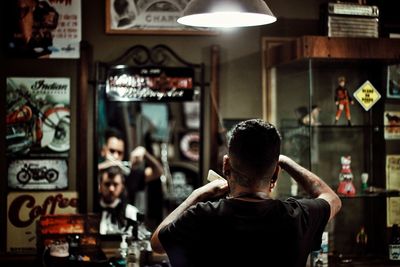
(342, 100)
(346, 186)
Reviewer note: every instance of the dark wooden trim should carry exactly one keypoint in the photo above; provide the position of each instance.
(214, 107)
(268, 97)
(82, 126)
(335, 48)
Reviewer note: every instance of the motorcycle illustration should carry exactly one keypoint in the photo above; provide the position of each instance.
(33, 171)
(33, 122)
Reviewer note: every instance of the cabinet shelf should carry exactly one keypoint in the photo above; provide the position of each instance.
(335, 48)
(303, 73)
(385, 194)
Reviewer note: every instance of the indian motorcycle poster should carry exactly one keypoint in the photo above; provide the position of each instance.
(44, 28)
(25, 208)
(38, 117)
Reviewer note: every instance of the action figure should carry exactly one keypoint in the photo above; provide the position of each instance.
(342, 100)
(362, 241)
(312, 118)
(346, 186)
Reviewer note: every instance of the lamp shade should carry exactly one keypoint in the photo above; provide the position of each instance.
(226, 13)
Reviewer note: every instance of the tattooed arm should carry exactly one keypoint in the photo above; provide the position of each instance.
(311, 183)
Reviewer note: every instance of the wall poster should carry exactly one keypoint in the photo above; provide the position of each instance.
(393, 183)
(44, 28)
(391, 123)
(38, 174)
(38, 117)
(24, 210)
(393, 81)
(148, 17)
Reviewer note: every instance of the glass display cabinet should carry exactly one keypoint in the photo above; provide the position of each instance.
(330, 98)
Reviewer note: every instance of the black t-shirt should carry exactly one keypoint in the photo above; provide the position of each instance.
(233, 232)
(135, 182)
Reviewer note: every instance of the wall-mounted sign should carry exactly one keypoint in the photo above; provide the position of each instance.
(150, 84)
(367, 95)
(38, 174)
(38, 117)
(25, 208)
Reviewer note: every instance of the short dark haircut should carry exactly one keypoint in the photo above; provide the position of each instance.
(113, 132)
(112, 172)
(254, 150)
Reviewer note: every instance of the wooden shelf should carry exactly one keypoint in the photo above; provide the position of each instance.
(323, 47)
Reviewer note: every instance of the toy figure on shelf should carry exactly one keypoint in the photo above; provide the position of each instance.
(306, 117)
(312, 118)
(364, 181)
(346, 186)
(343, 100)
(362, 241)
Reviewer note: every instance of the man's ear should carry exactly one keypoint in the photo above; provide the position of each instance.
(275, 176)
(103, 151)
(226, 167)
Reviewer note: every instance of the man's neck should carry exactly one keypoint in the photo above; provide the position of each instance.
(242, 192)
(112, 205)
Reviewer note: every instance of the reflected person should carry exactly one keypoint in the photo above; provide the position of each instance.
(144, 167)
(248, 227)
(117, 214)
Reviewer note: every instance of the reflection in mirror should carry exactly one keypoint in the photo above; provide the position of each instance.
(148, 142)
(151, 136)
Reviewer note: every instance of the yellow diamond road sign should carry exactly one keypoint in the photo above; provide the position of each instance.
(367, 95)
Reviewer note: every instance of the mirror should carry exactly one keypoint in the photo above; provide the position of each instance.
(154, 100)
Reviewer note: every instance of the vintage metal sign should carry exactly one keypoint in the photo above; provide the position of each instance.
(25, 208)
(38, 116)
(150, 84)
(367, 95)
(38, 174)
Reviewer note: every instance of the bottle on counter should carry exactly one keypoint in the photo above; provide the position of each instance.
(133, 257)
(394, 244)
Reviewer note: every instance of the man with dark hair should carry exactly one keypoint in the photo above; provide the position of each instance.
(116, 212)
(247, 227)
(141, 168)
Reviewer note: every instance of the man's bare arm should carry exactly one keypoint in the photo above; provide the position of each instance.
(311, 183)
(154, 170)
(213, 189)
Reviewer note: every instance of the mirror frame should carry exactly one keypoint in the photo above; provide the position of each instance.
(161, 56)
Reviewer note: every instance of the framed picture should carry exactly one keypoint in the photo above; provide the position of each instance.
(391, 121)
(149, 17)
(393, 81)
(43, 29)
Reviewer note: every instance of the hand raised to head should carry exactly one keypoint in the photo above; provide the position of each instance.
(137, 155)
(214, 189)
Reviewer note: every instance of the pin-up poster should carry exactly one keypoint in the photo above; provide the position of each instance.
(393, 183)
(38, 117)
(44, 28)
(391, 121)
(24, 210)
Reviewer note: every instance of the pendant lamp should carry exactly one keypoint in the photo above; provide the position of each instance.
(226, 13)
